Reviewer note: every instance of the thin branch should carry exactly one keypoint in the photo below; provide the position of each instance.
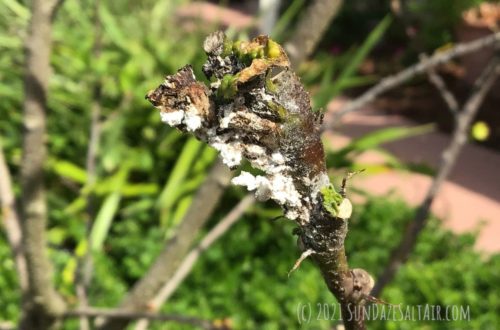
(438, 82)
(211, 237)
(122, 314)
(395, 80)
(311, 28)
(42, 304)
(12, 223)
(188, 263)
(85, 264)
(449, 158)
(302, 257)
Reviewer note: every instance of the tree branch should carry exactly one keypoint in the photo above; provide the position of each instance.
(438, 82)
(187, 264)
(12, 223)
(395, 80)
(42, 304)
(450, 156)
(256, 108)
(311, 28)
(202, 218)
(85, 264)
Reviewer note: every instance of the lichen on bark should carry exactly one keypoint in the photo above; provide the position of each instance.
(256, 108)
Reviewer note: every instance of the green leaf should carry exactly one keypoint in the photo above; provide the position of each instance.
(113, 30)
(328, 91)
(10, 42)
(375, 139)
(182, 208)
(68, 273)
(103, 221)
(140, 189)
(177, 176)
(107, 212)
(68, 170)
(18, 9)
(284, 22)
(373, 38)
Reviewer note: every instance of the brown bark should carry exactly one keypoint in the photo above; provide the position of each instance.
(41, 305)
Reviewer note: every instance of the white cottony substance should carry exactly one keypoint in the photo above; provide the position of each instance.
(230, 153)
(224, 122)
(248, 180)
(278, 158)
(260, 184)
(192, 121)
(173, 118)
(277, 187)
(283, 190)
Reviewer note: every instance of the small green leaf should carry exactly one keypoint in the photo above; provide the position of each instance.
(103, 221)
(331, 199)
(68, 170)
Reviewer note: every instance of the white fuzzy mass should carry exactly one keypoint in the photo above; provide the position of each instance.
(173, 118)
(192, 121)
(278, 187)
(230, 153)
(283, 190)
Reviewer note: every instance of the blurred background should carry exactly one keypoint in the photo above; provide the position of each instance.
(119, 182)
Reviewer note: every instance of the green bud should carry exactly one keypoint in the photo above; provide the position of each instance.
(228, 86)
(273, 49)
(331, 199)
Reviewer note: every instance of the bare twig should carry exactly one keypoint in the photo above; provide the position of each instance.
(42, 304)
(311, 28)
(409, 73)
(122, 314)
(85, 264)
(302, 257)
(165, 266)
(12, 223)
(440, 85)
(450, 155)
(187, 264)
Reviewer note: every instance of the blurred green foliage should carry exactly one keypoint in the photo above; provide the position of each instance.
(435, 21)
(109, 56)
(248, 283)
